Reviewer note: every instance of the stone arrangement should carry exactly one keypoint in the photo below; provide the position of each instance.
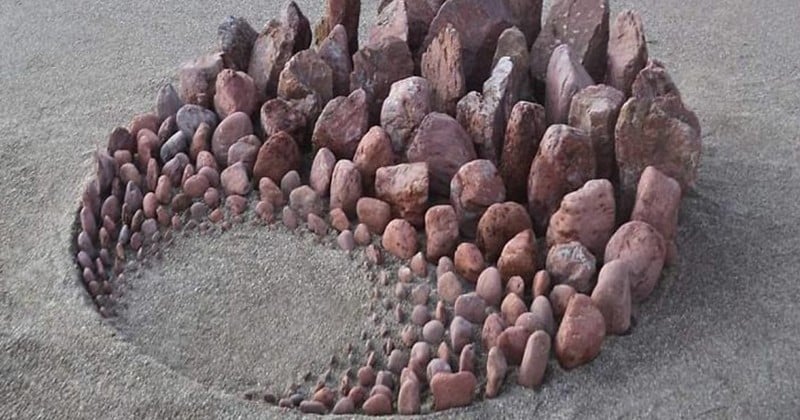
(519, 230)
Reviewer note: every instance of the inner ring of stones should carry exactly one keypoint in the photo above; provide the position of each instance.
(544, 224)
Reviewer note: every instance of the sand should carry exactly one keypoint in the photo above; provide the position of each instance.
(717, 340)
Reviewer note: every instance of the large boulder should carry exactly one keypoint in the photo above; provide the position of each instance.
(334, 51)
(565, 161)
(443, 65)
(344, 12)
(643, 248)
(376, 67)
(404, 19)
(343, 122)
(236, 38)
(583, 25)
(235, 92)
(498, 225)
(276, 157)
(595, 110)
(656, 129)
(479, 23)
(307, 82)
(524, 130)
(444, 145)
(196, 80)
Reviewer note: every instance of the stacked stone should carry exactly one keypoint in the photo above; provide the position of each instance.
(545, 222)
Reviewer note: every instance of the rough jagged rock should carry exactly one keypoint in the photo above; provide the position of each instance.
(344, 12)
(524, 130)
(512, 44)
(572, 264)
(408, 103)
(444, 145)
(484, 116)
(236, 38)
(443, 65)
(500, 223)
(196, 80)
(565, 161)
(405, 187)
(407, 20)
(583, 25)
(627, 51)
(307, 82)
(595, 110)
(376, 67)
(235, 92)
(279, 115)
(479, 23)
(528, 15)
(587, 215)
(342, 124)
(656, 129)
(476, 186)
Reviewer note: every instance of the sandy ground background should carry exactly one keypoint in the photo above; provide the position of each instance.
(719, 339)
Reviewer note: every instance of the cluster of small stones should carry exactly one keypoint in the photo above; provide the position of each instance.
(538, 226)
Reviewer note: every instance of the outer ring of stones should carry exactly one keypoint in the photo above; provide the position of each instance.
(521, 231)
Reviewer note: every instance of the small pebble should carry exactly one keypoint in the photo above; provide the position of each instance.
(420, 315)
(433, 332)
(346, 241)
(419, 266)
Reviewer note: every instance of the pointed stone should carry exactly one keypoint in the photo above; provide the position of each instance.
(442, 64)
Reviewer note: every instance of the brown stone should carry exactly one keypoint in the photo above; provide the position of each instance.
(303, 200)
(654, 128)
(306, 81)
(442, 64)
(525, 128)
(560, 297)
(452, 390)
(279, 115)
(595, 110)
(493, 326)
(448, 287)
(612, 296)
(345, 405)
(565, 78)
(408, 400)
(345, 187)
(245, 150)
(322, 171)
(407, 20)
(334, 51)
(496, 368)
(405, 188)
(469, 261)
(344, 12)
(441, 231)
(374, 213)
(643, 249)
(519, 256)
(565, 162)
(534, 360)
(583, 25)
(167, 102)
(476, 186)
(490, 286)
(196, 80)
(478, 23)
(542, 315)
(235, 180)
(378, 405)
(580, 335)
(376, 67)
(471, 307)
(236, 38)
(231, 129)
(408, 103)
(273, 48)
(400, 239)
(541, 283)
(270, 192)
(572, 264)
(513, 44)
(658, 200)
(627, 51)
(586, 215)
(235, 92)
(374, 151)
(485, 115)
(342, 124)
(444, 145)
(276, 157)
(512, 307)
(499, 224)
(512, 343)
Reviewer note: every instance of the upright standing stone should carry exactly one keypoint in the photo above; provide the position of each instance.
(236, 38)
(444, 145)
(485, 116)
(565, 161)
(642, 247)
(580, 335)
(528, 16)
(344, 12)
(334, 51)
(595, 110)
(627, 51)
(658, 200)
(525, 128)
(479, 23)
(405, 19)
(565, 77)
(376, 67)
(274, 46)
(512, 44)
(443, 65)
(583, 25)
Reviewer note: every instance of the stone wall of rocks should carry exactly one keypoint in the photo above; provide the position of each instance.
(538, 166)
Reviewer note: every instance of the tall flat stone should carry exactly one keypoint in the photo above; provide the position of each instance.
(443, 65)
